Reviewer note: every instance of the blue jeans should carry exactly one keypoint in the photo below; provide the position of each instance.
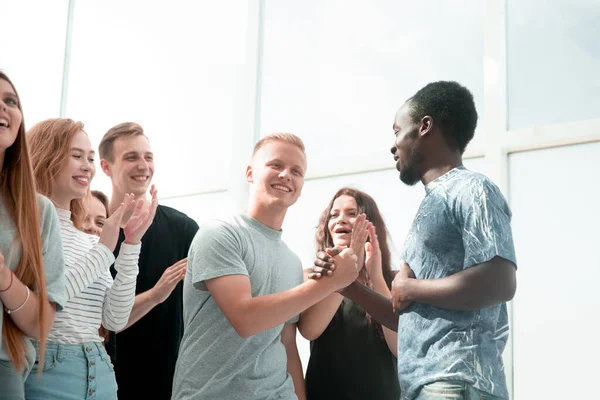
(453, 390)
(72, 372)
(11, 382)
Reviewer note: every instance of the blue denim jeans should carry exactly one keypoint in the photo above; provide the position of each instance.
(453, 390)
(11, 382)
(72, 372)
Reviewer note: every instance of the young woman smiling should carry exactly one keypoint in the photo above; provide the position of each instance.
(32, 282)
(76, 365)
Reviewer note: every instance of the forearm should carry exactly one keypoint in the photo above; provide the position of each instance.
(87, 269)
(377, 305)
(257, 314)
(143, 303)
(294, 368)
(118, 304)
(121, 295)
(27, 317)
(315, 319)
(390, 336)
(474, 288)
(294, 365)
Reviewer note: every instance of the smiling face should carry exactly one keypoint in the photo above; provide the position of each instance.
(74, 177)
(341, 220)
(94, 220)
(10, 116)
(277, 174)
(133, 166)
(407, 147)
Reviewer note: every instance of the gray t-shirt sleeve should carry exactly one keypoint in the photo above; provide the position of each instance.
(486, 225)
(52, 253)
(215, 251)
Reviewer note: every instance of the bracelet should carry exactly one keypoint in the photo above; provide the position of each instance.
(21, 306)
(12, 275)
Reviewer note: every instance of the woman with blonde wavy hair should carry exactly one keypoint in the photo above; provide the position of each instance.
(75, 364)
(32, 285)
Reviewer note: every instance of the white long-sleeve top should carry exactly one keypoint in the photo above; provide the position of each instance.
(93, 298)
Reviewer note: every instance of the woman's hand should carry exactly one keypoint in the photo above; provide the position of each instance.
(373, 254)
(358, 238)
(110, 232)
(140, 221)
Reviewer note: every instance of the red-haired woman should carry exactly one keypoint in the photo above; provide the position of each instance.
(32, 285)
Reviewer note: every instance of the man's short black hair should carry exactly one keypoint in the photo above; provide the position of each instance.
(452, 108)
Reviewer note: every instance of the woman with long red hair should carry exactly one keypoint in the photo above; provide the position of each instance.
(76, 364)
(32, 284)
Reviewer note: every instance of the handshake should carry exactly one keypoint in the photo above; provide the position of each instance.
(338, 265)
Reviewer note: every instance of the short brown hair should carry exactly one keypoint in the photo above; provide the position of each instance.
(279, 137)
(124, 129)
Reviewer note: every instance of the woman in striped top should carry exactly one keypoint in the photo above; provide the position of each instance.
(76, 365)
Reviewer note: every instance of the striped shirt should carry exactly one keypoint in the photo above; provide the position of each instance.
(93, 298)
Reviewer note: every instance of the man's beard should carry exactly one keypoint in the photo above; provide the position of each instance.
(409, 172)
(409, 175)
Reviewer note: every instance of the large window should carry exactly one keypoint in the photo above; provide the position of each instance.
(554, 196)
(553, 61)
(335, 72)
(174, 70)
(32, 52)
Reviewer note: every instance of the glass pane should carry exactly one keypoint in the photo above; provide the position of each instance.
(553, 53)
(173, 70)
(336, 72)
(33, 51)
(555, 225)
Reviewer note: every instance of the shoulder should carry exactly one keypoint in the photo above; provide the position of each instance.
(477, 186)
(219, 228)
(45, 206)
(229, 225)
(172, 214)
(478, 192)
(48, 214)
(219, 233)
(176, 217)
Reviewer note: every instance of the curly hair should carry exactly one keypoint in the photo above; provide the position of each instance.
(452, 108)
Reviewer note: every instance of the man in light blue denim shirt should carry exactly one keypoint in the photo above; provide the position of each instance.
(454, 325)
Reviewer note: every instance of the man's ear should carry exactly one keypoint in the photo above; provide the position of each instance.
(249, 177)
(426, 125)
(105, 165)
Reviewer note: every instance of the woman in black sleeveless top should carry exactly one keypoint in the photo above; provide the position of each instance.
(352, 356)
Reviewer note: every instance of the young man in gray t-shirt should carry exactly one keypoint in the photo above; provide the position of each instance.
(244, 290)
(460, 248)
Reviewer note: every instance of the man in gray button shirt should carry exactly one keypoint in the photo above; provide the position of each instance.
(454, 325)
